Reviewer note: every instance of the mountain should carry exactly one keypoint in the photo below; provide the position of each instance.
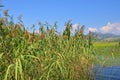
(106, 37)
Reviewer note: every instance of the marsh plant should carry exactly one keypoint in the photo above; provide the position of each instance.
(46, 55)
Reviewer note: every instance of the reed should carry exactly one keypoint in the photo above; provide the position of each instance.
(46, 55)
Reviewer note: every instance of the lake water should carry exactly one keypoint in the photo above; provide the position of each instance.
(107, 73)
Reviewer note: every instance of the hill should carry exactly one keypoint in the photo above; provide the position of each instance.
(106, 37)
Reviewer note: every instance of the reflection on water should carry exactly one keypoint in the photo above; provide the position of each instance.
(107, 73)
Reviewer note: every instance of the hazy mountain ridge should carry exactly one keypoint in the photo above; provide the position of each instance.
(106, 37)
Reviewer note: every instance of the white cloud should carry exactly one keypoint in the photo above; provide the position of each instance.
(111, 28)
(92, 29)
(74, 27)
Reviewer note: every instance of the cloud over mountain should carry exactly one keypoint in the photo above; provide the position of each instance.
(111, 28)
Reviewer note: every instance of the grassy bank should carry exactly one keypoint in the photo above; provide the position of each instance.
(108, 53)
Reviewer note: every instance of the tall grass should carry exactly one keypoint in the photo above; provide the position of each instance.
(46, 55)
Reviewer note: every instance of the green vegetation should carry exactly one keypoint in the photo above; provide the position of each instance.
(46, 55)
(108, 53)
(105, 44)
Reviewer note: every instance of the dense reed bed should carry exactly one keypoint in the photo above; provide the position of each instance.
(46, 55)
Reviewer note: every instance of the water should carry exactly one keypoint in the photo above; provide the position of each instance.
(107, 73)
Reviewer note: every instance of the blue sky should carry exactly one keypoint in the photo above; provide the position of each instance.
(96, 15)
